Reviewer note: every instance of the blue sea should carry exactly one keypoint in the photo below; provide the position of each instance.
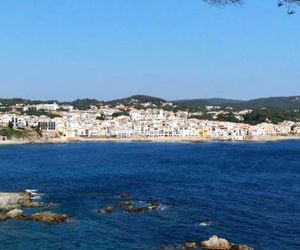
(250, 193)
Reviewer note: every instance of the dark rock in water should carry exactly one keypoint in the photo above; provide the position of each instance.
(124, 196)
(126, 203)
(52, 204)
(107, 210)
(136, 209)
(241, 247)
(190, 245)
(153, 205)
(205, 223)
(48, 218)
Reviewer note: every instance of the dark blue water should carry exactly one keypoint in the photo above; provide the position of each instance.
(250, 192)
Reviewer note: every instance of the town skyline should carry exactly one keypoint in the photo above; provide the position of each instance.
(145, 118)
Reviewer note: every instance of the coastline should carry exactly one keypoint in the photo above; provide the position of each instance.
(145, 140)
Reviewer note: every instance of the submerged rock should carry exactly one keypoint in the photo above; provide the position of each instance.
(124, 196)
(153, 205)
(216, 243)
(126, 203)
(205, 223)
(107, 210)
(49, 218)
(136, 209)
(241, 247)
(171, 247)
(52, 204)
(190, 245)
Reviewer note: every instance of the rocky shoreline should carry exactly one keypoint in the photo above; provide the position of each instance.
(158, 140)
(12, 204)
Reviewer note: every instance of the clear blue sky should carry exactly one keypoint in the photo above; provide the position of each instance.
(105, 49)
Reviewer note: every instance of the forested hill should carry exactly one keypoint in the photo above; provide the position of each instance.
(284, 103)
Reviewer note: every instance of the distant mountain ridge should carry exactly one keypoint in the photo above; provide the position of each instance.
(285, 103)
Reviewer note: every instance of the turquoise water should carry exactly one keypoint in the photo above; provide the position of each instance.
(250, 192)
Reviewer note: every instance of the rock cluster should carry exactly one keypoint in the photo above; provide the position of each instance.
(11, 205)
(213, 243)
(128, 206)
(49, 218)
(217, 243)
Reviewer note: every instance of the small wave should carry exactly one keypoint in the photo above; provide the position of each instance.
(205, 223)
(162, 207)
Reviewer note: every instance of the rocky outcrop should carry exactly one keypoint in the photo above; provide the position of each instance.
(130, 206)
(49, 218)
(213, 243)
(11, 204)
(6, 207)
(216, 243)
(14, 199)
(15, 214)
(152, 205)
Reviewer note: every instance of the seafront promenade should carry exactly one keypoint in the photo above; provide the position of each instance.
(145, 140)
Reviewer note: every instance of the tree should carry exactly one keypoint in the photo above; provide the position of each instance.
(289, 4)
(10, 124)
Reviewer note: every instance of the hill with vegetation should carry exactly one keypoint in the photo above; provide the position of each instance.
(137, 99)
(285, 103)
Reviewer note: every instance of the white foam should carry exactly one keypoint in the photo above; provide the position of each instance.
(34, 193)
(205, 224)
(31, 191)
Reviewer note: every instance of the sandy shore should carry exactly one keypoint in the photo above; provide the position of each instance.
(141, 139)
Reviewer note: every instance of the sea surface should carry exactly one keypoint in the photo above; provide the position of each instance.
(249, 192)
